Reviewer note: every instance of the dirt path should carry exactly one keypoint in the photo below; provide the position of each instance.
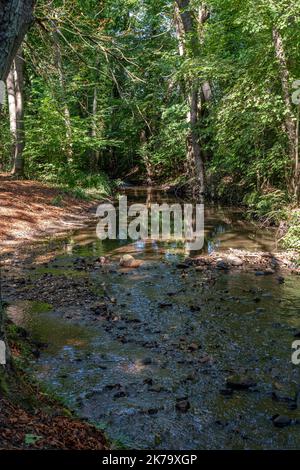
(30, 211)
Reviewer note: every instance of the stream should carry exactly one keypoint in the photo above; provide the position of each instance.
(145, 353)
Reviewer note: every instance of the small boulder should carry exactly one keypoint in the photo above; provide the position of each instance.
(234, 260)
(128, 261)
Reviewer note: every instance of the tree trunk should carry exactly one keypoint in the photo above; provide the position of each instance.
(62, 84)
(15, 19)
(96, 154)
(195, 162)
(189, 44)
(11, 95)
(290, 121)
(16, 112)
(147, 162)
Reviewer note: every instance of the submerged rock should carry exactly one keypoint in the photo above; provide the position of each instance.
(281, 397)
(237, 382)
(146, 361)
(281, 421)
(226, 392)
(182, 405)
(165, 305)
(156, 388)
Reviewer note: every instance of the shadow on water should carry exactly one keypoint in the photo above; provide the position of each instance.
(173, 338)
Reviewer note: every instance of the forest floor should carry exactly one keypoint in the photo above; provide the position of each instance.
(30, 211)
(22, 429)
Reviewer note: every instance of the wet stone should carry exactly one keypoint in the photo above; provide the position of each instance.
(165, 305)
(156, 388)
(222, 265)
(182, 405)
(234, 260)
(236, 382)
(146, 361)
(281, 421)
(226, 392)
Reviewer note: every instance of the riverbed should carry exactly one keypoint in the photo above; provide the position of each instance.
(148, 354)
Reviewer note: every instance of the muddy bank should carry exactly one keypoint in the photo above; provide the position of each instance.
(30, 418)
(31, 211)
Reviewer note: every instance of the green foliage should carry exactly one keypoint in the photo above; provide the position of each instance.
(271, 206)
(291, 240)
(31, 439)
(116, 101)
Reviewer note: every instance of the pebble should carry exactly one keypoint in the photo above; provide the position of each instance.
(182, 405)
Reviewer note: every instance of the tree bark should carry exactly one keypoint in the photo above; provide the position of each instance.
(290, 121)
(96, 154)
(16, 112)
(15, 19)
(11, 96)
(146, 159)
(189, 44)
(62, 84)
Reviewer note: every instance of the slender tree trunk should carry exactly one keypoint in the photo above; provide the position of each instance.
(189, 44)
(195, 162)
(11, 95)
(96, 153)
(63, 99)
(16, 112)
(147, 162)
(290, 121)
(95, 157)
(297, 166)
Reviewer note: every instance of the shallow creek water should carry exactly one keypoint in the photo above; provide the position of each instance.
(171, 336)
